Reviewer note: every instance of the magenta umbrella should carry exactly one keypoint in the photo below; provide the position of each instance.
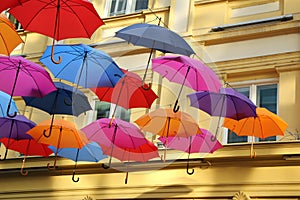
(186, 71)
(111, 133)
(21, 77)
(200, 143)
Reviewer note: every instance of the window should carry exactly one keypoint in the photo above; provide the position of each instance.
(17, 24)
(105, 109)
(264, 95)
(121, 7)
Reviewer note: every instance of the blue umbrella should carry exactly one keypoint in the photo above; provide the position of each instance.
(83, 65)
(91, 152)
(155, 37)
(5, 104)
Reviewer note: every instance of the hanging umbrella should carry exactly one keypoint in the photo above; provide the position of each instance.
(6, 4)
(58, 19)
(28, 147)
(65, 100)
(118, 133)
(64, 135)
(4, 101)
(15, 128)
(83, 66)
(200, 143)
(166, 123)
(21, 77)
(128, 93)
(9, 38)
(265, 124)
(226, 103)
(90, 152)
(186, 71)
(155, 37)
(142, 153)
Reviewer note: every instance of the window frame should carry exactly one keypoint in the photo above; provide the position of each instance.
(130, 8)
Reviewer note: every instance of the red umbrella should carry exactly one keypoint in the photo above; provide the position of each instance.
(128, 93)
(28, 147)
(58, 19)
(10, 3)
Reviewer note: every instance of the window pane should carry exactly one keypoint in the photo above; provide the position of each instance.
(267, 98)
(118, 7)
(141, 5)
(102, 109)
(123, 114)
(232, 137)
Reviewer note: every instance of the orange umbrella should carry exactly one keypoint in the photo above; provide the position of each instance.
(63, 135)
(165, 122)
(9, 38)
(266, 124)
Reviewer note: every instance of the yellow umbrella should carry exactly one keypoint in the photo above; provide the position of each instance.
(9, 38)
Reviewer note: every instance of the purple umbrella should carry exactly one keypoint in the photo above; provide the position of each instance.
(200, 143)
(21, 77)
(15, 128)
(186, 71)
(227, 103)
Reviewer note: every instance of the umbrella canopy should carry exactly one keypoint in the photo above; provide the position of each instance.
(186, 71)
(21, 77)
(155, 37)
(9, 38)
(58, 19)
(90, 152)
(118, 133)
(4, 102)
(83, 66)
(28, 147)
(65, 100)
(64, 135)
(10, 3)
(226, 103)
(15, 128)
(128, 93)
(200, 143)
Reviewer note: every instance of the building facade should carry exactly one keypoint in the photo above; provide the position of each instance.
(252, 45)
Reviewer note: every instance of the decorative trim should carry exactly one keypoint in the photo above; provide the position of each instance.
(241, 196)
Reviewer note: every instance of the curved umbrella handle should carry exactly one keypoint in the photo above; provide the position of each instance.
(22, 171)
(176, 107)
(52, 56)
(8, 108)
(50, 167)
(189, 172)
(73, 177)
(105, 166)
(44, 133)
(147, 87)
(5, 155)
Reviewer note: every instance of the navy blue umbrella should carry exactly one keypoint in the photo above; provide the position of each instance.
(83, 65)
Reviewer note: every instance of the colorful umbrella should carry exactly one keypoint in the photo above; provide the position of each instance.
(90, 152)
(128, 93)
(9, 38)
(118, 133)
(166, 123)
(64, 135)
(21, 77)
(65, 100)
(4, 102)
(83, 66)
(58, 19)
(226, 103)
(142, 153)
(200, 143)
(155, 37)
(186, 71)
(15, 128)
(265, 124)
(28, 147)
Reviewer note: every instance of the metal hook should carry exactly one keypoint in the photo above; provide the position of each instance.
(73, 178)
(52, 56)
(176, 107)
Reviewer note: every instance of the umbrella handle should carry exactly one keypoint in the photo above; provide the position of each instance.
(51, 167)
(188, 170)
(176, 107)
(147, 87)
(126, 178)
(22, 171)
(105, 166)
(8, 108)
(73, 178)
(44, 133)
(5, 155)
(52, 56)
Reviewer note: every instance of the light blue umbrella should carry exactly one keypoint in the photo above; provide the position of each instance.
(83, 65)
(6, 105)
(91, 152)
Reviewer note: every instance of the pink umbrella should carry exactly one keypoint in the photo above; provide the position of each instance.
(200, 143)
(117, 133)
(186, 71)
(21, 77)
